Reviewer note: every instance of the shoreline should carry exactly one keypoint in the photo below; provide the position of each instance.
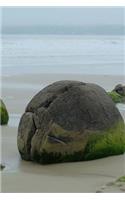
(39, 81)
(17, 90)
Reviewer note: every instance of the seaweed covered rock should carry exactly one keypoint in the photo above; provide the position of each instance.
(4, 117)
(118, 94)
(70, 121)
(116, 98)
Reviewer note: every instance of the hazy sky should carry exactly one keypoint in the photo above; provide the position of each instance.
(62, 16)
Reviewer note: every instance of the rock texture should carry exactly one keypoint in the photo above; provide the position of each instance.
(4, 116)
(70, 121)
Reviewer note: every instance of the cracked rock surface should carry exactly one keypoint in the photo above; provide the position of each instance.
(59, 120)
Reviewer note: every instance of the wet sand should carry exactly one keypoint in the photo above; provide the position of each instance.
(22, 176)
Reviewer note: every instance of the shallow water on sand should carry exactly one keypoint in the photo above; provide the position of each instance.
(14, 120)
(121, 106)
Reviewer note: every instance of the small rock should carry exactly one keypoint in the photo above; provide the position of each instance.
(120, 89)
(2, 167)
(99, 191)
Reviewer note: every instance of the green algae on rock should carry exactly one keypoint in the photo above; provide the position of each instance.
(4, 116)
(118, 94)
(93, 146)
(70, 121)
(117, 98)
(100, 144)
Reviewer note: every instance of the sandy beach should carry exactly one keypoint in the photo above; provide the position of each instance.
(22, 176)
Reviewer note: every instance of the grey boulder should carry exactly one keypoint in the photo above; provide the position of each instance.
(70, 121)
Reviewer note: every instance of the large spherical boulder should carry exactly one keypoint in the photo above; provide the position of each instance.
(70, 121)
(4, 116)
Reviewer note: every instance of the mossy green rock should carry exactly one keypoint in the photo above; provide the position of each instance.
(118, 94)
(70, 121)
(4, 117)
(117, 98)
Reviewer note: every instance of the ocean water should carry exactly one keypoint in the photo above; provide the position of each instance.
(81, 54)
